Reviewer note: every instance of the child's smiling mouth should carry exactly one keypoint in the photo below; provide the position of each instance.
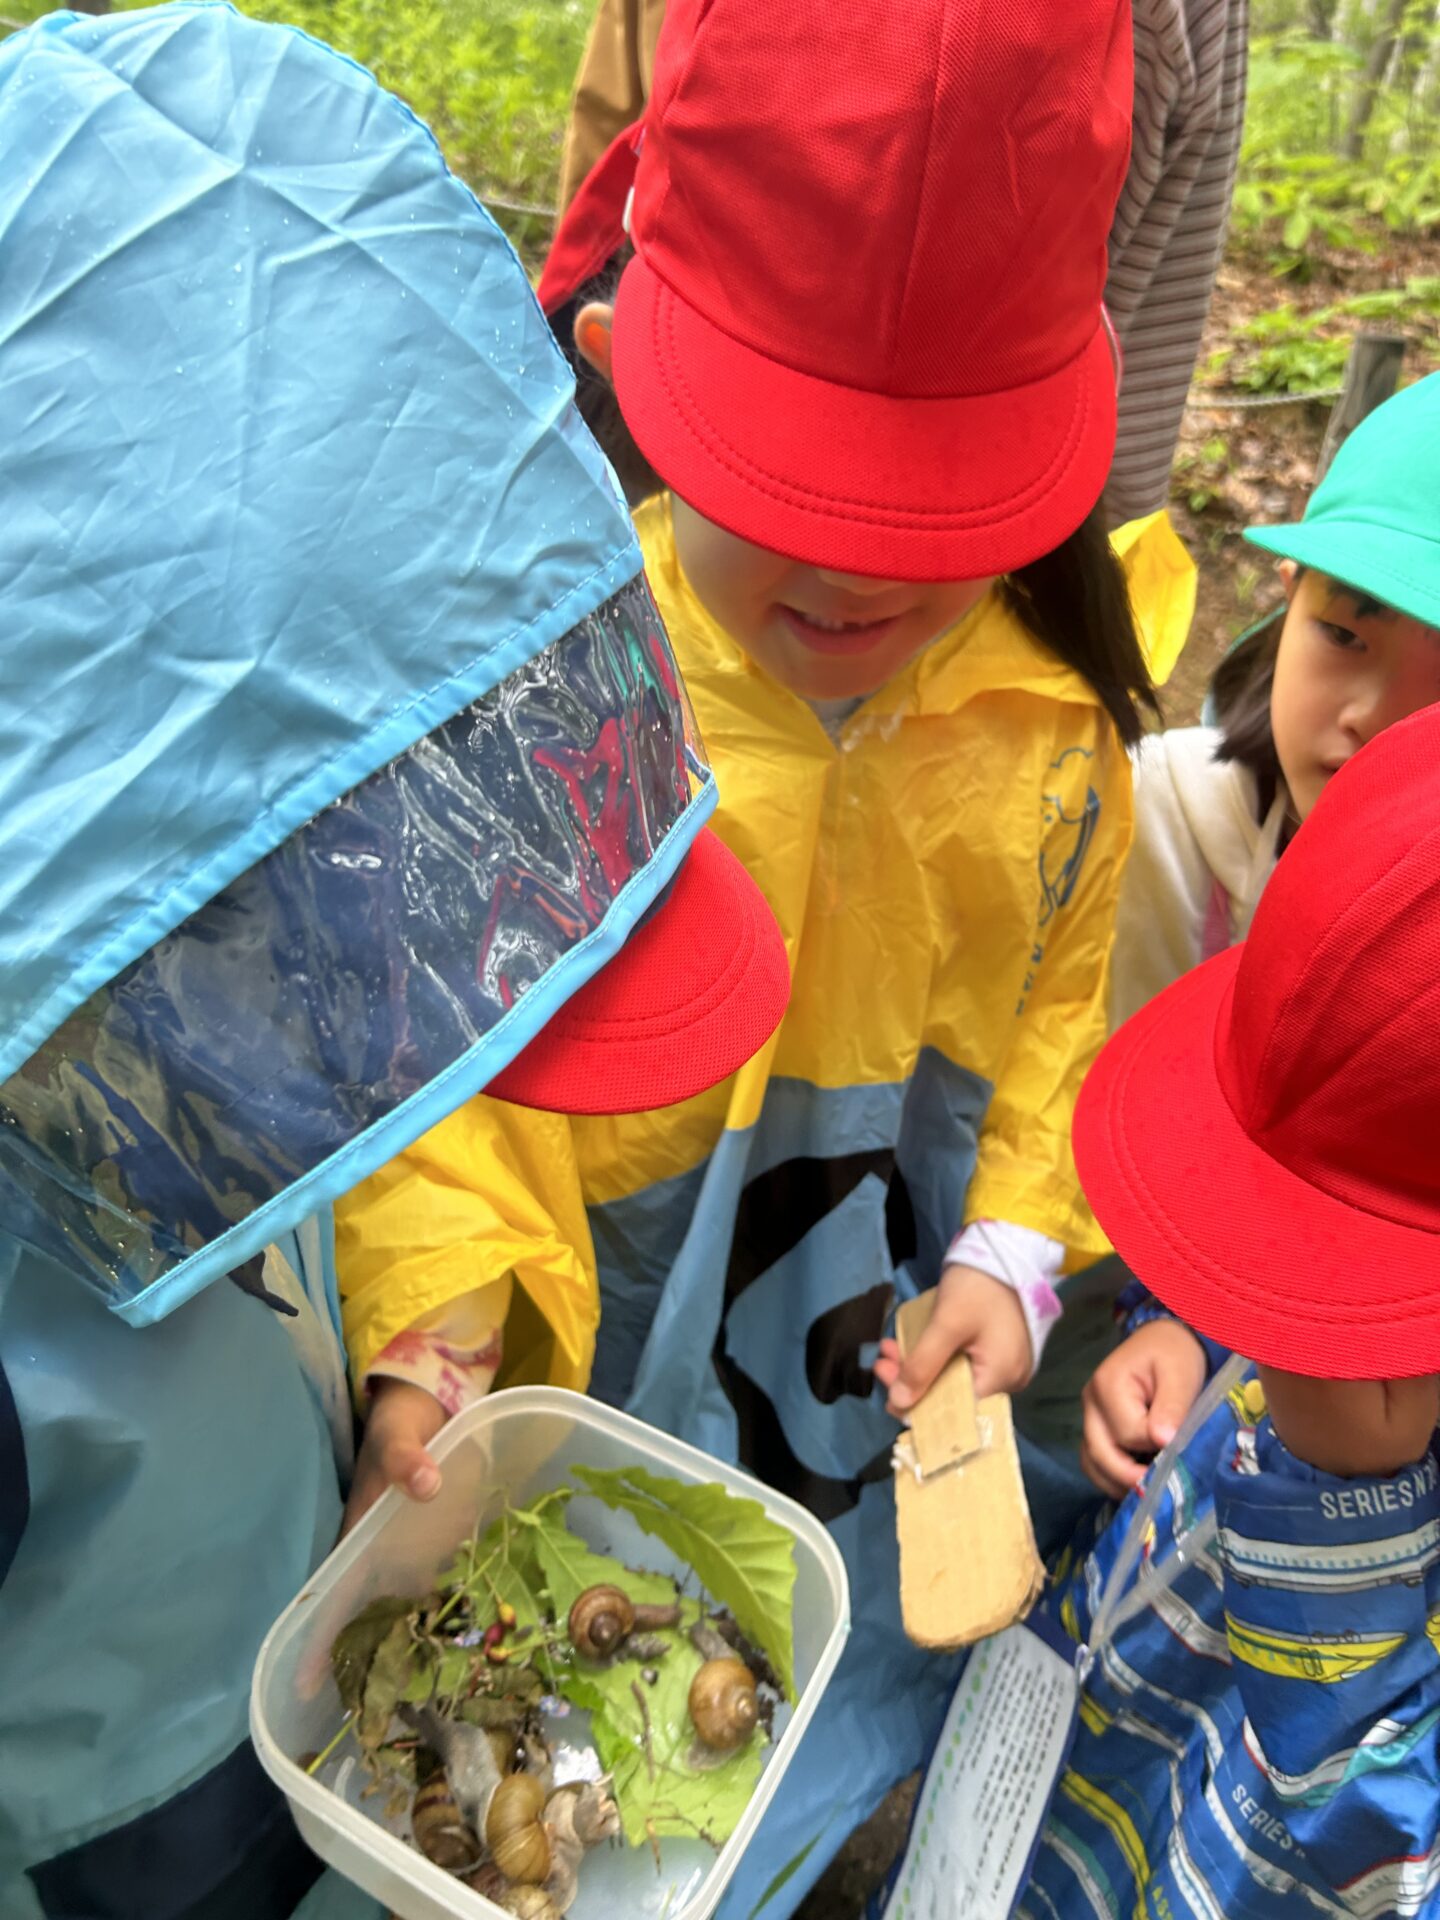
(824, 635)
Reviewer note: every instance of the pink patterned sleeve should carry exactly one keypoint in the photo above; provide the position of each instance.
(453, 1353)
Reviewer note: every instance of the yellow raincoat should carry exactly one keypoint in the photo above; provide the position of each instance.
(945, 878)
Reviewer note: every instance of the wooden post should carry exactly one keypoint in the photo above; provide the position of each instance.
(1372, 374)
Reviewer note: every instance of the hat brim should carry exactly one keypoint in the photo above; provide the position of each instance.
(897, 488)
(1242, 1249)
(697, 989)
(1378, 560)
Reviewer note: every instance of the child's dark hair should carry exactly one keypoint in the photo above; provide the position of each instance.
(594, 395)
(1074, 601)
(1241, 687)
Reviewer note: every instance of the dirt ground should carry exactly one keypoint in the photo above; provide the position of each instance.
(1234, 466)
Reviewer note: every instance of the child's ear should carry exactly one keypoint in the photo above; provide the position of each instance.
(593, 325)
(1289, 572)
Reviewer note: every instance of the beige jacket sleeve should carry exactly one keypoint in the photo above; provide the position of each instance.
(612, 85)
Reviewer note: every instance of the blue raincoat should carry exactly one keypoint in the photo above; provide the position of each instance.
(312, 580)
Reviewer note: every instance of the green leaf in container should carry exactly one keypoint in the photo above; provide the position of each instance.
(421, 1684)
(645, 1738)
(500, 1565)
(390, 1674)
(570, 1567)
(355, 1645)
(453, 1672)
(744, 1559)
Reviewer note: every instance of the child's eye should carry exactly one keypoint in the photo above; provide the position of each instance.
(1342, 636)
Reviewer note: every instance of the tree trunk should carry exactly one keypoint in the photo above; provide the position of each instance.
(1428, 77)
(1372, 374)
(1378, 59)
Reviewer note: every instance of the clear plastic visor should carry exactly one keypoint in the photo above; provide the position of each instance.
(436, 915)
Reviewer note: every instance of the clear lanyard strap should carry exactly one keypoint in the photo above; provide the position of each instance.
(1116, 1605)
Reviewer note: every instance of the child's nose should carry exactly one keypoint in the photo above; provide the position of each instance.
(862, 585)
(1368, 710)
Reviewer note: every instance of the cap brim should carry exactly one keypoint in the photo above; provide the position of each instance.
(1384, 562)
(1243, 1250)
(901, 489)
(696, 990)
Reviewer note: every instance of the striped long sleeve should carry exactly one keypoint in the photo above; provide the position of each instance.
(1169, 228)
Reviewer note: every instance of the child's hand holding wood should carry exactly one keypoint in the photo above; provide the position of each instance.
(976, 1315)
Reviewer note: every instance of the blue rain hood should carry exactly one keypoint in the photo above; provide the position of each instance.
(289, 472)
(335, 716)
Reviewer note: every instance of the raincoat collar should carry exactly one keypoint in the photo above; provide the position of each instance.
(989, 651)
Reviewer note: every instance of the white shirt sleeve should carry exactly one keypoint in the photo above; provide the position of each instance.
(1027, 1262)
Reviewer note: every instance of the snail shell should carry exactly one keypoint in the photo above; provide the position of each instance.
(599, 1620)
(514, 1831)
(529, 1903)
(723, 1705)
(440, 1830)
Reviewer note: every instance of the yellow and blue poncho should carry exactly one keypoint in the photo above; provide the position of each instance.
(945, 877)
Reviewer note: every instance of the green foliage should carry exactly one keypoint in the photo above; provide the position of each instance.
(1286, 351)
(646, 1742)
(744, 1558)
(356, 1645)
(491, 78)
(482, 1646)
(1199, 471)
(1342, 135)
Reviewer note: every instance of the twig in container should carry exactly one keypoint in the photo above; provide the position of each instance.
(640, 1701)
(346, 1726)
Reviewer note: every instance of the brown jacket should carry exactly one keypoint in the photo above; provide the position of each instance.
(612, 85)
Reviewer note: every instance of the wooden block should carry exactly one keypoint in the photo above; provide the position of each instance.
(968, 1564)
(943, 1424)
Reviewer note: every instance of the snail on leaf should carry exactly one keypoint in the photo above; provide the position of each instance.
(603, 1619)
(723, 1704)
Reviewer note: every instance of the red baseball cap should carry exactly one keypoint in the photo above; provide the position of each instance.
(863, 327)
(1260, 1142)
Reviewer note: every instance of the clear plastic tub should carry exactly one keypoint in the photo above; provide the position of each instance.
(512, 1447)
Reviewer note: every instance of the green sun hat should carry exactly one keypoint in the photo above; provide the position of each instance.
(1374, 520)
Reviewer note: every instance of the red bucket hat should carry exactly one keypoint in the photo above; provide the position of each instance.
(864, 322)
(697, 989)
(1260, 1143)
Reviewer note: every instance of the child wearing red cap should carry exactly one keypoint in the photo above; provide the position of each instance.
(1249, 1653)
(1167, 236)
(861, 340)
(1357, 651)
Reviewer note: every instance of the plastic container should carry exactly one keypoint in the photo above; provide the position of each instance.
(511, 1448)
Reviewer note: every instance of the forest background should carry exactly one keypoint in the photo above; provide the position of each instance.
(1335, 227)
